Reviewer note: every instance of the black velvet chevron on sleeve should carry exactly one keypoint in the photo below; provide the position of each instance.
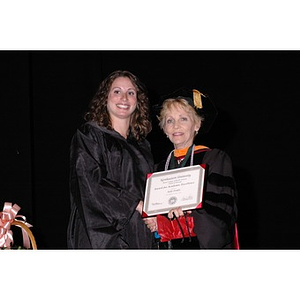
(214, 223)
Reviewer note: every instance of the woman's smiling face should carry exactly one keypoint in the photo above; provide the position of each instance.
(122, 98)
(180, 127)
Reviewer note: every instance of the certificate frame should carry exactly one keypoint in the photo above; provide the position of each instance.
(182, 187)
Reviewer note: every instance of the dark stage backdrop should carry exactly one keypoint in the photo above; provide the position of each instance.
(45, 93)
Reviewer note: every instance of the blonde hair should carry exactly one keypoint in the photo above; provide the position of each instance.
(179, 102)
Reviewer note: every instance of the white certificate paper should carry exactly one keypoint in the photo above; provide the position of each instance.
(181, 187)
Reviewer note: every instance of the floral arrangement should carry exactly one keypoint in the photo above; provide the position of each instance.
(9, 217)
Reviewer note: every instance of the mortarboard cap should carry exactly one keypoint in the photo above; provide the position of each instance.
(200, 102)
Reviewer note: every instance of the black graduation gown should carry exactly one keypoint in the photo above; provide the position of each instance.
(107, 181)
(214, 224)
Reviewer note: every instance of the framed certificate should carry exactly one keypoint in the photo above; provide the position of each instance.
(181, 187)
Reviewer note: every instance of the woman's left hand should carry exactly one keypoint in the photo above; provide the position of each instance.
(178, 212)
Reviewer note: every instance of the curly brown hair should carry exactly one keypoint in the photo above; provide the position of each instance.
(140, 124)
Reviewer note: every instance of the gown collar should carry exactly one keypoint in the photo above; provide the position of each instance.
(176, 153)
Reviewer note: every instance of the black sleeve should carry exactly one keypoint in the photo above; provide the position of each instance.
(214, 223)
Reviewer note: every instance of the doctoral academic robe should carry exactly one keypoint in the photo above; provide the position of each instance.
(107, 181)
(214, 223)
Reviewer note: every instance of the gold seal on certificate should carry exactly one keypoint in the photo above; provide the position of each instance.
(181, 187)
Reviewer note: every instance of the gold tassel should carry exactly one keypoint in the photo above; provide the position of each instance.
(197, 99)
